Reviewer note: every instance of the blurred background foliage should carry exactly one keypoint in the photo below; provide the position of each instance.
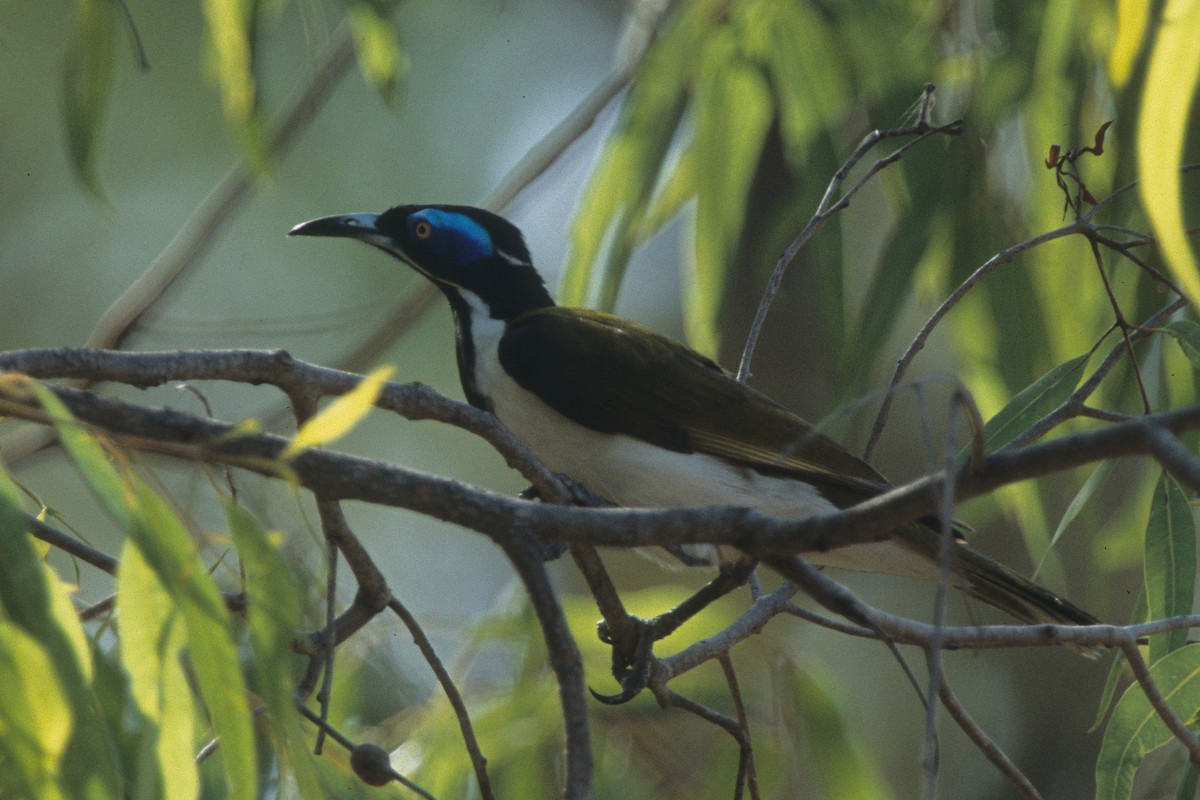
(672, 209)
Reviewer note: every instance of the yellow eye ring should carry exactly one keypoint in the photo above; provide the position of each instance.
(422, 230)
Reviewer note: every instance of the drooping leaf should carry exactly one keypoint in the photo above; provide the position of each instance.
(1187, 333)
(35, 717)
(1171, 81)
(102, 478)
(87, 84)
(35, 601)
(1170, 562)
(1136, 729)
(375, 41)
(274, 617)
(231, 25)
(735, 110)
(1132, 19)
(339, 417)
(608, 224)
(153, 638)
(164, 541)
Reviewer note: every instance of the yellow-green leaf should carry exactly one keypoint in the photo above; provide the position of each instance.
(35, 717)
(230, 27)
(379, 55)
(163, 539)
(1170, 89)
(33, 599)
(90, 459)
(735, 113)
(628, 169)
(339, 417)
(1132, 17)
(152, 639)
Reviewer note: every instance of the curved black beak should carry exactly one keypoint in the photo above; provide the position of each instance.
(351, 226)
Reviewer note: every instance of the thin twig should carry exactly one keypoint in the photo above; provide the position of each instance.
(918, 343)
(1175, 724)
(747, 774)
(69, 544)
(991, 751)
(333, 733)
(478, 762)
(827, 208)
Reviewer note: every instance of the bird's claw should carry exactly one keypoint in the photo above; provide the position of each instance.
(632, 673)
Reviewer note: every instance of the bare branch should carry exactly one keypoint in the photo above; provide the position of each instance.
(992, 751)
(827, 208)
(336, 476)
(478, 762)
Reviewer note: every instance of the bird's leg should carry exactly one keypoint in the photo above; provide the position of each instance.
(634, 673)
(730, 576)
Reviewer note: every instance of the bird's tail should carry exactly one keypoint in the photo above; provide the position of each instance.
(1011, 592)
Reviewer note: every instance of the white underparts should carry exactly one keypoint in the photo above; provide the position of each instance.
(634, 473)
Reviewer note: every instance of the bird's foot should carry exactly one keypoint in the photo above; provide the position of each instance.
(633, 673)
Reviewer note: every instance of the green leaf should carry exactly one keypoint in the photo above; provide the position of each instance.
(735, 111)
(1081, 499)
(231, 35)
(1135, 729)
(87, 84)
(35, 716)
(1187, 333)
(1033, 402)
(627, 170)
(102, 478)
(34, 600)
(164, 541)
(843, 764)
(153, 637)
(799, 52)
(375, 41)
(1132, 18)
(1170, 564)
(274, 617)
(1171, 81)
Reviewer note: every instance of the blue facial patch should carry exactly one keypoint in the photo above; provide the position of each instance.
(453, 237)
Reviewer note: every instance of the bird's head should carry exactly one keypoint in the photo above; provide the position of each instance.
(467, 252)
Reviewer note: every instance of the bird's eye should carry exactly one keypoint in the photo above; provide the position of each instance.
(422, 230)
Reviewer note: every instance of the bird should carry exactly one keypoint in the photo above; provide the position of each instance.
(644, 421)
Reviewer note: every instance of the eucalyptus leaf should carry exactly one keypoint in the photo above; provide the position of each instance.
(1172, 77)
(1187, 333)
(1033, 402)
(87, 84)
(1135, 728)
(1170, 562)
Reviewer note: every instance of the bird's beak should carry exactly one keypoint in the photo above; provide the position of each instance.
(349, 226)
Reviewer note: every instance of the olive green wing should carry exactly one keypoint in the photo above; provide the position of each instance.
(618, 377)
